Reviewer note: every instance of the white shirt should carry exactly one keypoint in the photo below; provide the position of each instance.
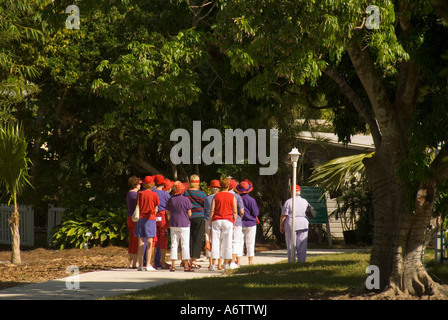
(300, 221)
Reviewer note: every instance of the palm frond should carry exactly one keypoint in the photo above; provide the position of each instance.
(14, 162)
(332, 174)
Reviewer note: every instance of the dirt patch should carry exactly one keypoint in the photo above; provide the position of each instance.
(40, 265)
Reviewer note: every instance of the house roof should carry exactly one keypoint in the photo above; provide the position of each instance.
(358, 142)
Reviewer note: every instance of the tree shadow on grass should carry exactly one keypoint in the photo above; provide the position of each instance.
(311, 280)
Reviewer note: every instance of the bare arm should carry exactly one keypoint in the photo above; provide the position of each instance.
(212, 209)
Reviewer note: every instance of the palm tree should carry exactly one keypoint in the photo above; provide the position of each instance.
(13, 176)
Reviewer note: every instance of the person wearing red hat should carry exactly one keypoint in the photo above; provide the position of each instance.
(145, 227)
(223, 214)
(214, 189)
(178, 212)
(300, 224)
(237, 238)
(249, 219)
(131, 201)
(161, 240)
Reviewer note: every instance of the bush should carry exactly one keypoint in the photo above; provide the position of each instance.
(107, 227)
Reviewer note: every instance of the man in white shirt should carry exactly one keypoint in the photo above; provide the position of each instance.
(300, 225)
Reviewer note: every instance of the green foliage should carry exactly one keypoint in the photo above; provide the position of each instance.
(107, 227)
(14, 161)
(355, 211)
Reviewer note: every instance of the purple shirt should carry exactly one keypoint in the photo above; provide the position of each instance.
(178, 207)
(164, 196)
(131, 202)
(251, 211)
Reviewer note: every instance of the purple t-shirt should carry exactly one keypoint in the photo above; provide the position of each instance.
(251, 211)
(131, 202)
(164, 196)
(178, 207)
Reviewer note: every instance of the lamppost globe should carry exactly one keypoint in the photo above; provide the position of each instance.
(294, 155)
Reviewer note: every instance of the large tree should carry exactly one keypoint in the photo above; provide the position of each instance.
(389, 75)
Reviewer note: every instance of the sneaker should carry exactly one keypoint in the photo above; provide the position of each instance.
(141, 269)
(233, 265)
(150, 268)
(212, 268)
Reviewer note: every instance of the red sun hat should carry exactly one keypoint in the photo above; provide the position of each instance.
(148, 180)
(214, 184)
(179, 188)
(232, 184)
(168, 184)
(159, 179)
(244, 186)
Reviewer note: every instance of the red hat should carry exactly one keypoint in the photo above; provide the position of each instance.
(214, 184)
(168, 184)
(148, 180)
(159, 179)
(244, 186)
(297, 188)
(179, 188)
(186, 185)
(232, 184)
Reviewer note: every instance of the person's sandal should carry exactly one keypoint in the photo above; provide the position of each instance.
(188, 270)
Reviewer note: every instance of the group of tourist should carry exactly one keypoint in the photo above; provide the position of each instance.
(183, 213)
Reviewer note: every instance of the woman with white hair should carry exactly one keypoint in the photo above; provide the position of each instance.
(300, 225)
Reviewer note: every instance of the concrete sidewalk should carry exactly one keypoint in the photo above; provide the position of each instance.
(95, 285)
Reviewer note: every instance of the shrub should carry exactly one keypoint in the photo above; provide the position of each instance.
(107, 227)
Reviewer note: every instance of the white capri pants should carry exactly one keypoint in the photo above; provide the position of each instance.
(238, 241)
(222, 231)
(182, 234)
(207, 235)
(249, 234)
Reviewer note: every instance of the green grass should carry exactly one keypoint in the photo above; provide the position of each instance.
(320, 276)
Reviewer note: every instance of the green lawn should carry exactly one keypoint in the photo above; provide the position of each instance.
(319, 277)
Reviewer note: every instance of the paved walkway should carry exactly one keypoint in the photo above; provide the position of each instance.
(95, 285)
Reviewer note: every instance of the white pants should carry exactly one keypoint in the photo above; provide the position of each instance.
(238, 241)
(300, 245)
(222, 236)
(184, 235)
(207, 235)
(249, 234)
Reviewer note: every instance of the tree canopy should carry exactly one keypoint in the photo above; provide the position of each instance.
(99, 102)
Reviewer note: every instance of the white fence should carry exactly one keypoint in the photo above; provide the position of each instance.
(54, 219)
(26, 224)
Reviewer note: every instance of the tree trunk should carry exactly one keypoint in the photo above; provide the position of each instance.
(15, 237)
(400, 235)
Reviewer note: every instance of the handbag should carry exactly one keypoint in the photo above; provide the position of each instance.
(136, 214)
(310, 212)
